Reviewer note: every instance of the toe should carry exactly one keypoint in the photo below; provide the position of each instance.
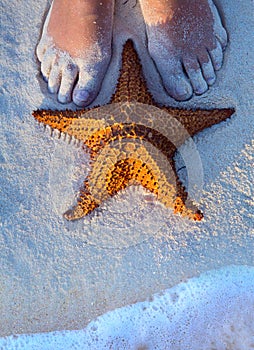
(54, 79)
(197, 81)
(195, 75)
(179, 87)
(89, 83)
(40, 50)
(69, 74)
(174, 79)
(208, 72)
(81, 96)
(207, 68)
(217, 56)
(46, 65)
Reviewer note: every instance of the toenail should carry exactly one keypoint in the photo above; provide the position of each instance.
(200, 90)
(71, 67)
(81, 95)
(211, 80)
(218, 66)
(64, 98)
(52, 89)
(182, 91)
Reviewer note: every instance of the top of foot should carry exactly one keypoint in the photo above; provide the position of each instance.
(186, 40)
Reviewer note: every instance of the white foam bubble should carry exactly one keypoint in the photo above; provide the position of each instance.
(212, 311)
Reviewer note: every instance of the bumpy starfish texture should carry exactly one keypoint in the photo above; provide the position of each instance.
(132, 140)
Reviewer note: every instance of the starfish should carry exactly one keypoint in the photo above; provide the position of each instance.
(132, 140)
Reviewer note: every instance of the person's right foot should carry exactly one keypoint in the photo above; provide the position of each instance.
(75, 48)
(186, 41)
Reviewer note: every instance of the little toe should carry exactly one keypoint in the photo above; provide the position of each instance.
(69, 75)
(217, 56)
(195, 75)
(40, 51)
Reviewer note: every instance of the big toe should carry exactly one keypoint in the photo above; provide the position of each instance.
(174, 79)
(178, 87)
(82, 96)
(89, 83)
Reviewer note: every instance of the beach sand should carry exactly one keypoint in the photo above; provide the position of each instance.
(58, 275)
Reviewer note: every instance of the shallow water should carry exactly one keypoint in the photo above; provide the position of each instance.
(213, 311)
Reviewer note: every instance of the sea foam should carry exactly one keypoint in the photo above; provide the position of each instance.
(212, 311)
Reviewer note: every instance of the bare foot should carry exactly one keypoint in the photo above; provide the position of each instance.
(186, 41)
(75, 48)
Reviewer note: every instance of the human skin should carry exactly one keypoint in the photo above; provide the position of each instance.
(75, 48)
(186, 40)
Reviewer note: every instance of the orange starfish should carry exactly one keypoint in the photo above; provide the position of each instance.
(132, 141)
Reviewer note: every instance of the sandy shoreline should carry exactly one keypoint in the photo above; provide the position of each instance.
(212, 310)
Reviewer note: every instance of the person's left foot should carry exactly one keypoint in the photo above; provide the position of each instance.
(186, 40)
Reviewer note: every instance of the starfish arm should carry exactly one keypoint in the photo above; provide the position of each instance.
(131, 171)
(131, 84)
(70, 122)
(60, 120)
(86, 204)
(197, 120)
